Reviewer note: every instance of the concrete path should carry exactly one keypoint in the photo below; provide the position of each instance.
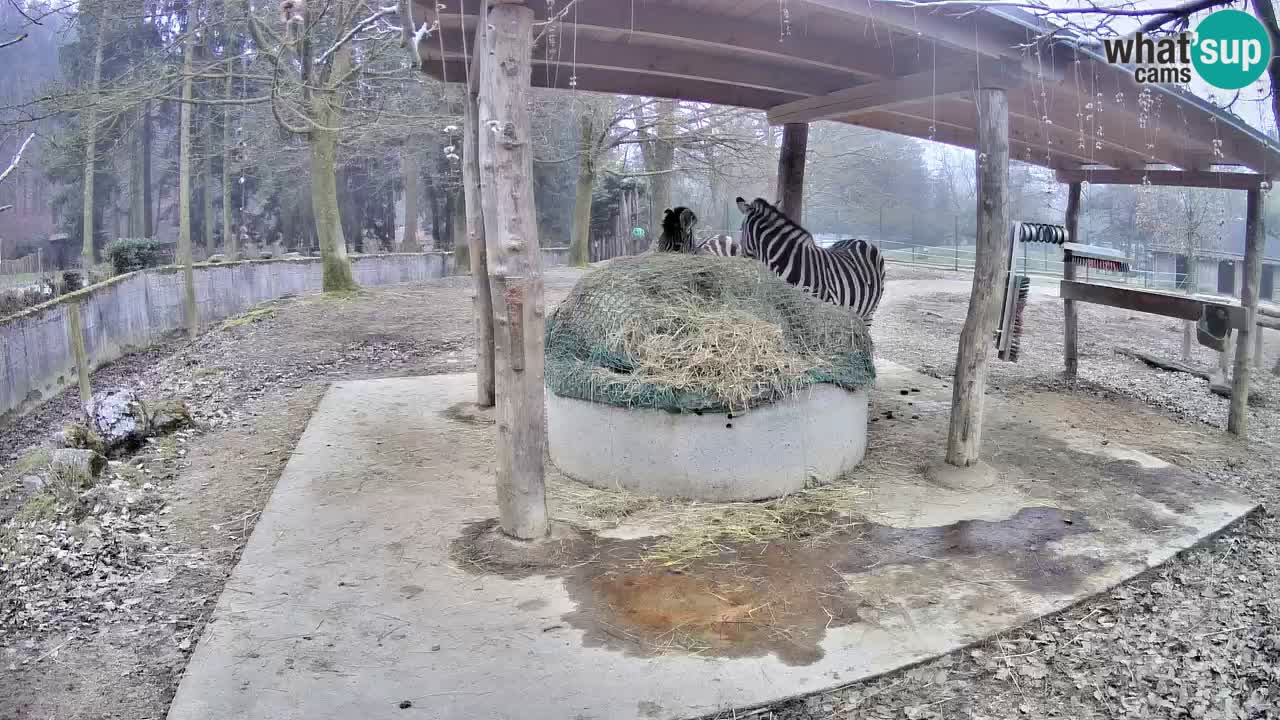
(351, 600)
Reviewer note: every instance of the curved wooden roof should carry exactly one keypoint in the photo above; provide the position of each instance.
(873, 64)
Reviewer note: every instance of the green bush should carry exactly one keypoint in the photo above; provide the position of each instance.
(129, 254)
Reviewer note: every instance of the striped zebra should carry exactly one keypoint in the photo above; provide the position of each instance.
(677, 230)
(721, 245)
(852, 276)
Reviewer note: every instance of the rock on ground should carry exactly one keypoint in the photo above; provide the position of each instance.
(119, 417)
(77, 468)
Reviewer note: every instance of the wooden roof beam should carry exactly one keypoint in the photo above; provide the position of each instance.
(893, 91)
(615, 22)
(1176, 178)
(622, 82)
(686, 64)
(963, 136)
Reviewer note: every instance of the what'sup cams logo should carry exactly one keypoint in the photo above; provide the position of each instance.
(1229, 50)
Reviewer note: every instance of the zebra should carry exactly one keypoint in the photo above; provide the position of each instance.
(721, 245)
(852, 276)
(677, 230)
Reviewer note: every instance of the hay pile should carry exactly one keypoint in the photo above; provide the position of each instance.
(691, 334)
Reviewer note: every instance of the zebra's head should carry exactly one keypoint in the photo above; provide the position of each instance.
(677, 228)
(752, 213)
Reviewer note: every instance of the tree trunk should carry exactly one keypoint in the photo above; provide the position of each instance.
(964, 434)
(482, 299)
(148, 208)
(1071, 359)
(458, 232)
(409, 171)
(91, 151)
(136, 207)
(795, 147)
(324, 205)
(579, 254)
(515, 269)
(228, 234)
(206, 188)
(1255, 241)
(184, 195)
(437, 215)
(324, 181)
(659, 156)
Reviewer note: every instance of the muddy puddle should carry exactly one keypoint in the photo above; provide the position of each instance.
(781, 597)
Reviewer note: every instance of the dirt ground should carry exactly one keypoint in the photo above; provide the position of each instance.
(1198, 637)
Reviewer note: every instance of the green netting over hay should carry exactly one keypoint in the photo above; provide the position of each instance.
(688, 333)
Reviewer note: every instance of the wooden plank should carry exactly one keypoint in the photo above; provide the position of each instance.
(482, 300)
(1170, 365)
(1147, 301)
(1177, 178)
(791, 158)
(892, 91)
(1070, 355)
(515, 269)
(964, 433)
(1238, 413)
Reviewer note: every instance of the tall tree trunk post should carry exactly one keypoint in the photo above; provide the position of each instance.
(184, 195)
(1238, 415)
(964, 435)
(458, 232)
(409, 177)
(75, 335)
(482, 300)
(91, 151)
(228, 234)
(136, 207)
(579, 253)
(1070, 357)
(795, 145)
(148, 207)
(324, 196)
(515, 268)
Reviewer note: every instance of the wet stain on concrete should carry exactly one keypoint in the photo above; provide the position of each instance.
(754, 599)
(470, 413)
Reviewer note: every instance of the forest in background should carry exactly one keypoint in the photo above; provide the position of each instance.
(312, 130)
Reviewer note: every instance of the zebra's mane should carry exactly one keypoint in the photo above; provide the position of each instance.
(764, 207)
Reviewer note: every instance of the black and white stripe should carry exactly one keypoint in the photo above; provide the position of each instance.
(721, 245)
(852, 276)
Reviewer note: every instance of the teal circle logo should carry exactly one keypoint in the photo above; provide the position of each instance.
(1232, 49)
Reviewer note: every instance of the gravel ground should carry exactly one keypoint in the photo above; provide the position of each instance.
(99, 613)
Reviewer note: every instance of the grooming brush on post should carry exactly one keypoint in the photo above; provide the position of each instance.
(1018, 287)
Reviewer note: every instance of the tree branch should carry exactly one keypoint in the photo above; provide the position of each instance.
(17, 158)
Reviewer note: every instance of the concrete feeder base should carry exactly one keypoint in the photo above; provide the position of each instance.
(811, 437)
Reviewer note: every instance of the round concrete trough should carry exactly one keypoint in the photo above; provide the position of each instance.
(811, 437)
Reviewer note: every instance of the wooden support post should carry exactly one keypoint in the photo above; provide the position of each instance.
(964, 435)
(795, 144)
(1237, 416)
(75, 335)
(1069, 351)
(1257, 346)
(482, 303)
(515, 268)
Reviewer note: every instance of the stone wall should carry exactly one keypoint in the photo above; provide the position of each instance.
(136, 310)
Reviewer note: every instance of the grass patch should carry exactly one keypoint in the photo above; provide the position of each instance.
(41, 507)
(255, 315)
